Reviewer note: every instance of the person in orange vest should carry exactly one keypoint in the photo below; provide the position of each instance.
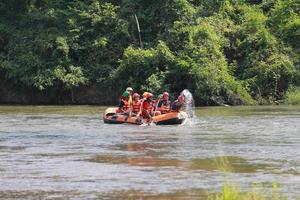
(136, 104)
(145, 94)
(142, 101)
(164, 105)
(147, 108)
(124, 105)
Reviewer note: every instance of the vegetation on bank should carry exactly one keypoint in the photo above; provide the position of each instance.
(231, 191)
(223, 51)
(293, 96)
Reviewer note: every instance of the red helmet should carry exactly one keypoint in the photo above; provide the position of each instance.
(166, 94)
(135, 95)
(149, 95)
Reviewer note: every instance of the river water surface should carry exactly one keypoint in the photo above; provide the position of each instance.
(68, 152)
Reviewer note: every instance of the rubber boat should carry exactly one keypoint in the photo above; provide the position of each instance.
(112, 117)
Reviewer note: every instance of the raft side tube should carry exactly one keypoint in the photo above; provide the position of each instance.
(112, 117)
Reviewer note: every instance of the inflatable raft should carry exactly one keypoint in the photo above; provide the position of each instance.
(112, 117)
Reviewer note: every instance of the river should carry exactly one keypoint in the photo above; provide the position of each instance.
(68, 152)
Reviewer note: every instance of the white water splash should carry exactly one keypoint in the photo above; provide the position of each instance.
(189, 104)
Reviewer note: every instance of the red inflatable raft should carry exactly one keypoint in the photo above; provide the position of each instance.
(112, 117)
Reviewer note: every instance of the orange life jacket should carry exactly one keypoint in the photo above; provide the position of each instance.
(147, 106)
(164, 109)
(125, 107)
(136, 105)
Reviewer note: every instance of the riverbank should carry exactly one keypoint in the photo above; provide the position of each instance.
(91, 95)
(17, 94)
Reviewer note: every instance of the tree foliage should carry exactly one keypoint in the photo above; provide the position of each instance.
(224, 51)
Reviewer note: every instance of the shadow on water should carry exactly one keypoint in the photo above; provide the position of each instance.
(11, 148)
(178, 194)
(149, 149)
(57, 110)
(113, 195)
(222, 163)
(249, 111)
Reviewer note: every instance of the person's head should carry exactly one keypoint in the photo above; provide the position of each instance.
(129, 90)
(149, 96)
(145, 94)
(125, 95)
(180, 99)
(166, 96)
(136, 96)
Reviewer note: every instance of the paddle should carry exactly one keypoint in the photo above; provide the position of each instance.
(152, 120)
(156, 106)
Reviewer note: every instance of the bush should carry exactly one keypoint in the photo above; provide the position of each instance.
(292, 96)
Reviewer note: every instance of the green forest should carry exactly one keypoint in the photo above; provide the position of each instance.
(224, 51)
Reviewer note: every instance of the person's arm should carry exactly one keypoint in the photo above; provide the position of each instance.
(158, 104)
(168, 106)
(130, 108)
(121, 107)
(174, 106)
(121, 104)
(179, 106)
(148, 114)
(141, 107)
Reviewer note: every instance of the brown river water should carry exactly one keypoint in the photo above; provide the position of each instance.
(67, 152)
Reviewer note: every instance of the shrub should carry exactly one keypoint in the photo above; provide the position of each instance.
(292, 96)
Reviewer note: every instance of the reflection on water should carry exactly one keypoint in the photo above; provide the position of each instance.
(68, 152)
(225, 163)
(116, 194)
(138, 161)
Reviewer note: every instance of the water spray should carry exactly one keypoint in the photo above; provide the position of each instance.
(189, 103)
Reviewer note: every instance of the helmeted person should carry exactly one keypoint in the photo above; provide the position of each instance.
(147, 108)
(155, 104)
(136, 103)
(178, 104)
(130, 91)
(164, 104)
(157, 100)
(124, 105)
(145, 94)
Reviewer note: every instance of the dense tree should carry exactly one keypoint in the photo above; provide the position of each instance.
(224, 51)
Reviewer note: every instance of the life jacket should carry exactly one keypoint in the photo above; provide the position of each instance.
(164, 106)
(125, 107)
(164, 109)
(136, 106)
(146, 106)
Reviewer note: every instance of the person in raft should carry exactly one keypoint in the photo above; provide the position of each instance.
(142, 101)
(124, 105)
(147, 108)
(130, 91)
(155, 104)
(136, 104)
(178, 104)
(164, 104)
